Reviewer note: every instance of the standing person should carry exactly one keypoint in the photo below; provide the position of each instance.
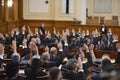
(42, 28)
(103, 30)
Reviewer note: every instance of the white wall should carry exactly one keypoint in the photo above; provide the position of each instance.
(29, 13)
(83, 4)
(55, 11)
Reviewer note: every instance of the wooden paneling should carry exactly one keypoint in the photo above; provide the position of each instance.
(50, 24)
(15, 10)
(100, 53)
(62, 25)
(101, 20)
(6, 27)
(20, 10)
(0, 10)
(11, 25)
(3, 28)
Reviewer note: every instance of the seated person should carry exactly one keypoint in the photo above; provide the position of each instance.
(57, 56)
(46, 60)
(25, 50)
(53, 53)
(15, 56)
(74, 70)
(105, 66)
(55, 74)
(34, 70)
(12, 69)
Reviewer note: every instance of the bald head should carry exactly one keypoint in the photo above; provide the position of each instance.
(53, 50)
(46, 56)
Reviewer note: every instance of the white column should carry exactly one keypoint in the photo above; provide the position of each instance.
(83, 6)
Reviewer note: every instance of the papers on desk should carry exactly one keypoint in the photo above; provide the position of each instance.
(21, 71)
(24, 61)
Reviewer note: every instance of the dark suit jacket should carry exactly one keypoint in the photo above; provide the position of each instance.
(88, 63)
(42, 28)
(32, 75)
(7, 40)
(2, 41)
(73, 76)
(103, 30)
(24, 52)
(117, 60)
(49, 64)
(95, 41)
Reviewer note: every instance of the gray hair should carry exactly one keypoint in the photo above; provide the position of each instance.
(71, 64)
(55, 73)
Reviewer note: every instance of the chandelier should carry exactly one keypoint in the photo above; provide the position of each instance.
(2, 2)
(10, 3)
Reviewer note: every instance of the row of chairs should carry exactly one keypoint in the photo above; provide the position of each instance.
(101, 20)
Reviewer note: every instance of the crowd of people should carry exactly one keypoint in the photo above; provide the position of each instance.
(59, 59)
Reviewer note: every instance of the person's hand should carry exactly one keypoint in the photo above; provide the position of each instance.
(73, 31)
(91, 47)
(1, 35)
(54, 30)
(86, 47)
(36, 30)
(82, 55)
(67, 32)
(23, 28)
(80, 65)
(63, 32)
(79, 30)
(28, 28)
(58, 33)
(24, 42)
(46, 49)
(38, 40)
(59, 45)
(32, 45)
(29, 31)
(34, 48)
(64, 37)
(14, 45)
(12, 32)
(49, 34)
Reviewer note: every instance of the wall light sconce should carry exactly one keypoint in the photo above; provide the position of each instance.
(10, 3)
(2, 2)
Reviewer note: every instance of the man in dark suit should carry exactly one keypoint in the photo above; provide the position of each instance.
(55, 73)
(42, 28)
(103, 30)
(74, 70)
